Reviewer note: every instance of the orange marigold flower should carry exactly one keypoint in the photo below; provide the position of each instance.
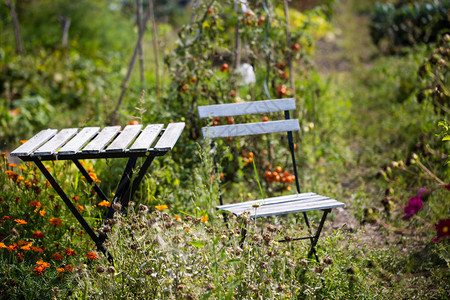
(57, 256)
(2, 245)
(6, 218)
(43, 263)
(23, 141)
(161, 207)
(76, 198)
(20, 222)
(105, 203)
(37, 249)
(11, 174)
(38, 235)
(27, 246)
(11, 165)
(56, 221)
(205, 218)
(3, 155)
(177, 217)
(39, 270)
(13, 247)
(70, 252)
(42, 213)
(80, 208)
(91, 255)
(19, 179)
(60, 270)
(34, 203)
(69, 268)
(187, 230)
(22, 168)
(90, 170)
(46, 182)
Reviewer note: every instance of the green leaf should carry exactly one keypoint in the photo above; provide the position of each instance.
(233, 261)
(197, 244)
(446, 138)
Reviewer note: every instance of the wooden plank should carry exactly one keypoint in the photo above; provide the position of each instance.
(250, 128)
(35, 142)
(246, 108)
(75, 144)
(124, 138)
(295, 207)
(102, 139)
(274, 200)
(170, 136)
(147, 137)
(56, 142)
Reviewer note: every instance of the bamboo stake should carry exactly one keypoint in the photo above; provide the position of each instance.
(155, 47)
(130, 69)
(139, 13)
(16, 25)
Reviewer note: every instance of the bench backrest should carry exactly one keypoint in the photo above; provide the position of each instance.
(248, 108)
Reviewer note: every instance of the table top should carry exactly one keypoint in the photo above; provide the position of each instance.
(90, 142)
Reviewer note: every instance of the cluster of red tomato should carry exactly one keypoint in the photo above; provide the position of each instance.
(279, 176)
(247, 158)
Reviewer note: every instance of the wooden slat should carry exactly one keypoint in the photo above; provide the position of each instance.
(75, 144)
(102, 139)
(34, 143)
(246, 108)
(170, 137)
(124, 139)
(274, 200)
(250, 128)
(147, 137)
(294, 207)
(56, 142)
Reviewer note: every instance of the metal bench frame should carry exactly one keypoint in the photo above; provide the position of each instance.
(300, 202)
(89, 143)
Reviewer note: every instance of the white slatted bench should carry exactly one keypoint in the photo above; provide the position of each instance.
(90, 143)
(295, 203)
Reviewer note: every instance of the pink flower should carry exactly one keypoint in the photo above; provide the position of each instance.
(414, 205)
(443, 230)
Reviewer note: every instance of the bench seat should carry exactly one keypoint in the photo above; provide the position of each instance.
(282, 205)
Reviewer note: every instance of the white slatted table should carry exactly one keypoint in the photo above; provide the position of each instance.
(90, 143)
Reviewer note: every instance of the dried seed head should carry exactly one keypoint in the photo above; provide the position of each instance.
(117, 206)
(271, 228)
(291, 264)
(111, 270)
(288, 238)
(238, 250)
(190, 296)
(256, 238)
(318, 269)
(263, 265)
(187, 218)
(14, 232)
(328, 261)
(131, 203)
(271, 254)
(209, 230)
(176, 239)
(253, 288)
(100, 269)
(181, 287)
(303, 262)
(350, 271)
(143, 209)
(134, 246)
(210, 287)
(267, 237)
(287, 253)
(106, 228)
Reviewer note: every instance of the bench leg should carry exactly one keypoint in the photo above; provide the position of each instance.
(85, 173)
(137, 181)
(316, 237)
(73, 209)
